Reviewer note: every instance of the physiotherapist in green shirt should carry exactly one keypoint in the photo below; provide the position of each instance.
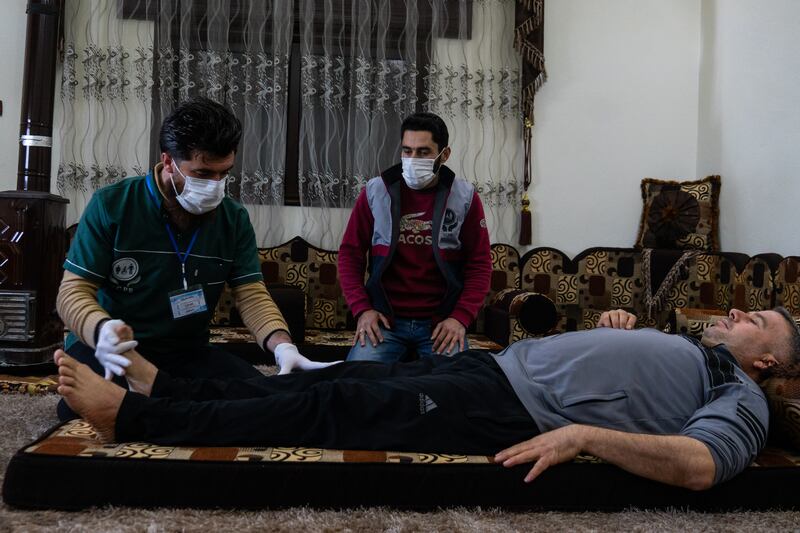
(154, 253)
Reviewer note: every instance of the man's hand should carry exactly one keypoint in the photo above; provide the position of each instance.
(109, 349)
(548, 449)
(446, 335)
(288, 358)
(369, 328)
(617, 319)
(674, 459)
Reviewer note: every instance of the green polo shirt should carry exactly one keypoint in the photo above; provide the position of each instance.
(122, 243)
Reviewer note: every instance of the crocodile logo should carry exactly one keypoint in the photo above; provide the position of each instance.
(411, 222)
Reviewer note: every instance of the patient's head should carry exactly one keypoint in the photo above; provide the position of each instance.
(761, 341)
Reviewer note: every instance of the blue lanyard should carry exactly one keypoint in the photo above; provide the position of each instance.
(182, 257)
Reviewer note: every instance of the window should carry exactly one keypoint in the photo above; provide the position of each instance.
(321, 86)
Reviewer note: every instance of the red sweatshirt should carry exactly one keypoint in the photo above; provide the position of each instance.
(413, 282)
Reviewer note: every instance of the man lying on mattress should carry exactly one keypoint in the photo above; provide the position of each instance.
(666, 407)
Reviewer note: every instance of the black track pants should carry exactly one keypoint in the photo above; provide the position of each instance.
(447, 405)
(206, 362)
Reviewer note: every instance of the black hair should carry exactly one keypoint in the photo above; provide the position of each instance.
(427, 122)
(200, 125)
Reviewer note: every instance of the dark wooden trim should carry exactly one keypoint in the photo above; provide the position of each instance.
(291, 179)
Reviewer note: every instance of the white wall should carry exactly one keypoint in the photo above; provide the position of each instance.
(749, 124)
(620, 104)
(637, 88)
(12, 56)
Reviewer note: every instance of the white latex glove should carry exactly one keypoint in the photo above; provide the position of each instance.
(109, 349)
(288, 358)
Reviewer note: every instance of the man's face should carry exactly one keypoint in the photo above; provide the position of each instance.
(420, 144)
(202, 165)
(753, 338)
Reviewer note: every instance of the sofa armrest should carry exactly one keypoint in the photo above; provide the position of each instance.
(514, 314)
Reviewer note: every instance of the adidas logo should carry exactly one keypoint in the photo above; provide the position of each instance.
(426, 404)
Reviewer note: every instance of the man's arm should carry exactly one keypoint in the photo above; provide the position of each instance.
(352, 257)
(265, 321)
(260, 314)
(672, 459)
(352, 264)
(77, 306)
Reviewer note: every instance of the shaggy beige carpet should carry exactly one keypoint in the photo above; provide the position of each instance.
(24, 418)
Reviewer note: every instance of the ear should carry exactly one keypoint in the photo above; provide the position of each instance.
(168, 162)
(445, 155)
(766, 361)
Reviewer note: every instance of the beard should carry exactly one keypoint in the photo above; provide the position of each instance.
(182, 219)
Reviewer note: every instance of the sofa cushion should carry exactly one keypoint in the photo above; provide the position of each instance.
(708, 280)
(680, 215)
(598, 279)
(312, 270)
(787, 284)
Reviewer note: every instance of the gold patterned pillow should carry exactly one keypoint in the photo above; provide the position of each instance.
(783, 395)
(680, 215)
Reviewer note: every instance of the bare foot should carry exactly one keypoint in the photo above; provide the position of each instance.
(96, 400)
(141, 373)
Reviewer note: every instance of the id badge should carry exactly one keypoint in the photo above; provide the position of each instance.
(187, 302)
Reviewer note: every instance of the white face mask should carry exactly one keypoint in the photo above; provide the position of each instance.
(417, 172)
(199, 195)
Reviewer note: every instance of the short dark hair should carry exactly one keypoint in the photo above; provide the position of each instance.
(427, 122)
(200, 125)
(793, 348)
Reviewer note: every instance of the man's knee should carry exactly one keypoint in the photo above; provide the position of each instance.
(384, 352)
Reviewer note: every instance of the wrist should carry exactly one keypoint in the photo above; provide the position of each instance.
(97, 329)
(277, 337)
(587, 438)
(461, 317)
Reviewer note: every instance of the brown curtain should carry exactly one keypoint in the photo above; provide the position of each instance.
(529, 42)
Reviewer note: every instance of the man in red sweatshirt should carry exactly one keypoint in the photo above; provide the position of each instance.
(429, 263)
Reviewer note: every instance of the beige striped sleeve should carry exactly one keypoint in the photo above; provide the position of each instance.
(77, 306)
(259, 313)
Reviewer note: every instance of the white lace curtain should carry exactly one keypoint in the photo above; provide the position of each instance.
(320, 86)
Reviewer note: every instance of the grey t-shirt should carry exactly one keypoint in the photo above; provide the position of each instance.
(642, 381)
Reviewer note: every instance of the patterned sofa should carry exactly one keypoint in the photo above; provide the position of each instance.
(649, 283)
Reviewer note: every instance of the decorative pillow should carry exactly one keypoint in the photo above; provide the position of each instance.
(783, 395)
(680, 215)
